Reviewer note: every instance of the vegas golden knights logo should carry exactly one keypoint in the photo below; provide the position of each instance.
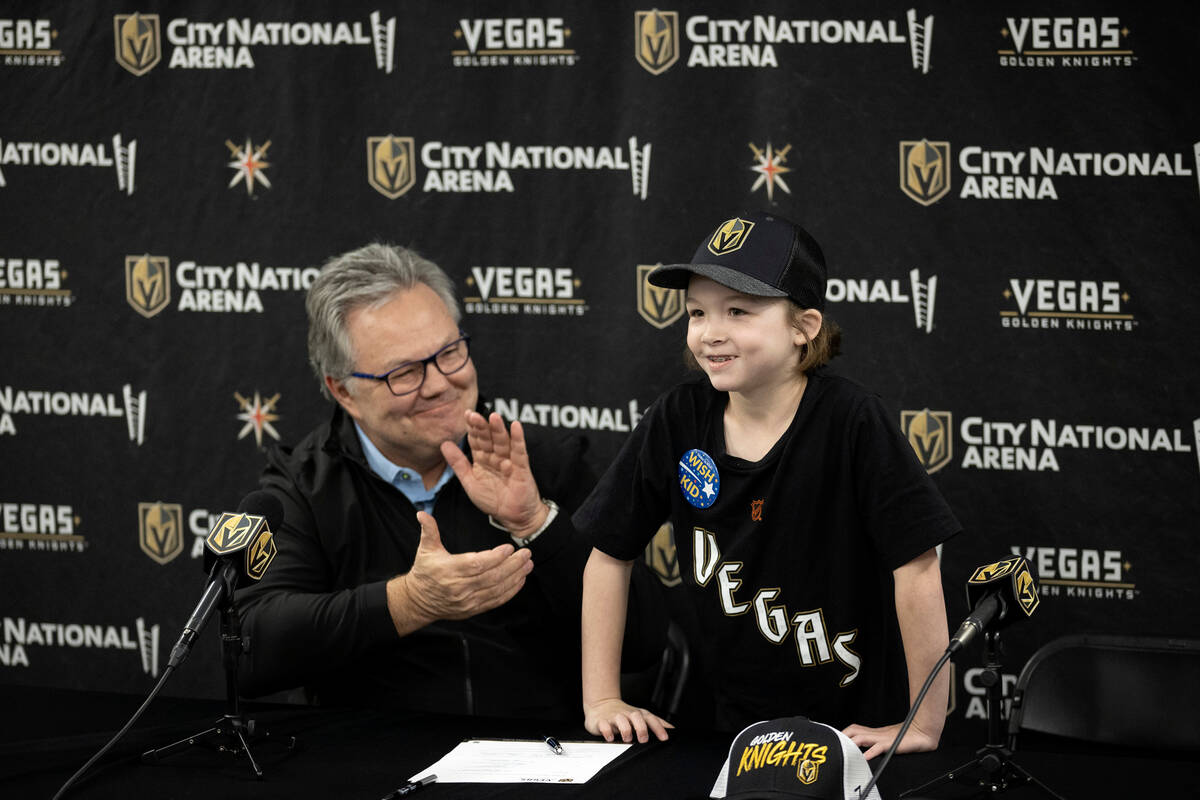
(990, 572)
(160, 530)
(658, 305)
(925, 170)
(137, 40)
(234, 532)
(931, 437)
(1027, 594)
(656, 39)
(260, 554)
(730, 236)
(662, 557)
(808, 770)
(147, 283)
(391, 164)
(1016, 568)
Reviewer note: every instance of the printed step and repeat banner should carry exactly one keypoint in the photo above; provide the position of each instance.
(1009, 205)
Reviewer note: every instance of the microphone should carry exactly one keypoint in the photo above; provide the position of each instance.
(993, 591)
(240, 543)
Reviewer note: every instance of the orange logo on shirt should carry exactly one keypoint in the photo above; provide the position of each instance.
(756, 510)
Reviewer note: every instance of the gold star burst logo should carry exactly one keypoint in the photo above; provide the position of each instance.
(248, 164)
(769, 164)
(258, 416)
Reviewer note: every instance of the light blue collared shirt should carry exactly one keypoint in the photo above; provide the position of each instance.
(406, 479)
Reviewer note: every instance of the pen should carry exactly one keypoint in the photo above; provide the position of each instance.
(410, 787)
(553, 744)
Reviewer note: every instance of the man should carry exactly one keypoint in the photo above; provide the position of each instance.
(408, 572)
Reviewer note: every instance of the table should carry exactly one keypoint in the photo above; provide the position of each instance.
(362, 754)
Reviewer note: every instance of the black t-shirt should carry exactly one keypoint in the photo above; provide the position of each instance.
(790, 567)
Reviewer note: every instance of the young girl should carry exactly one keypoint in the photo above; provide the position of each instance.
(805, 526)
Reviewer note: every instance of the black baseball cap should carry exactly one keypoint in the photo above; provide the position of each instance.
(757, 254)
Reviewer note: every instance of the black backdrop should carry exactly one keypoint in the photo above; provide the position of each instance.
(1007, 195)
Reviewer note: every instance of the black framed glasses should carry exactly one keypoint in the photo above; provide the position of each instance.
(410, 376)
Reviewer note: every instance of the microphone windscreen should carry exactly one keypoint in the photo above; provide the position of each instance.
(262, 503)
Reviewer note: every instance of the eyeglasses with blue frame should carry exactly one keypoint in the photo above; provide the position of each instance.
(410, 376)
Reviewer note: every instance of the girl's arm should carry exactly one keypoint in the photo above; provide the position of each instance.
(605, 598)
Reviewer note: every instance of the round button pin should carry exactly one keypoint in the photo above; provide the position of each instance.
(698, 478)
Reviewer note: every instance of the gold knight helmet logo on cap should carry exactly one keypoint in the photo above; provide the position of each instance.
(147, 283)
(391, 164)
(730, 236)
(137, 41)
(656, 39)
(160, 530)
(925, 170)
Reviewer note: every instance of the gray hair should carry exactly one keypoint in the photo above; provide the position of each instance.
(360, 278)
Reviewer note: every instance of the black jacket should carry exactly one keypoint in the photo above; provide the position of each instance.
(319, 617)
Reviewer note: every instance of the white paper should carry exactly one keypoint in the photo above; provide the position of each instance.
(522, 761)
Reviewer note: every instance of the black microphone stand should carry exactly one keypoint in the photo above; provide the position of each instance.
(993, 762)
(232, 732)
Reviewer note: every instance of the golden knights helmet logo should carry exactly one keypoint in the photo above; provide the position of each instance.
(1015, 569)
(656, 39)
(249, 532)
(925, 170)
(137, 40)
(729, 236)
(160, 530)
(808, 770)
(662, 557)
(658, 305)
(391, 164)
(931, 435)
(147, 283)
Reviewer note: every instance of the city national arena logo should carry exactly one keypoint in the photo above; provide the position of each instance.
(925, 170)
(1065, 42)
(22, 636)
(33, 282)
(391, 164)
(1032, 173)
(257, 415)
(73, 154)
(29, 43)
(921, 293)
(656, 39)
(36, 402)
(571, 417)
(658, 305)
(232, 43)
(1035, 444)
(43, 527)
(234, 289)
(160, 530)
(752, 42)
(490, 167)
(138, 41)
(931, 435)
(513, 42)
